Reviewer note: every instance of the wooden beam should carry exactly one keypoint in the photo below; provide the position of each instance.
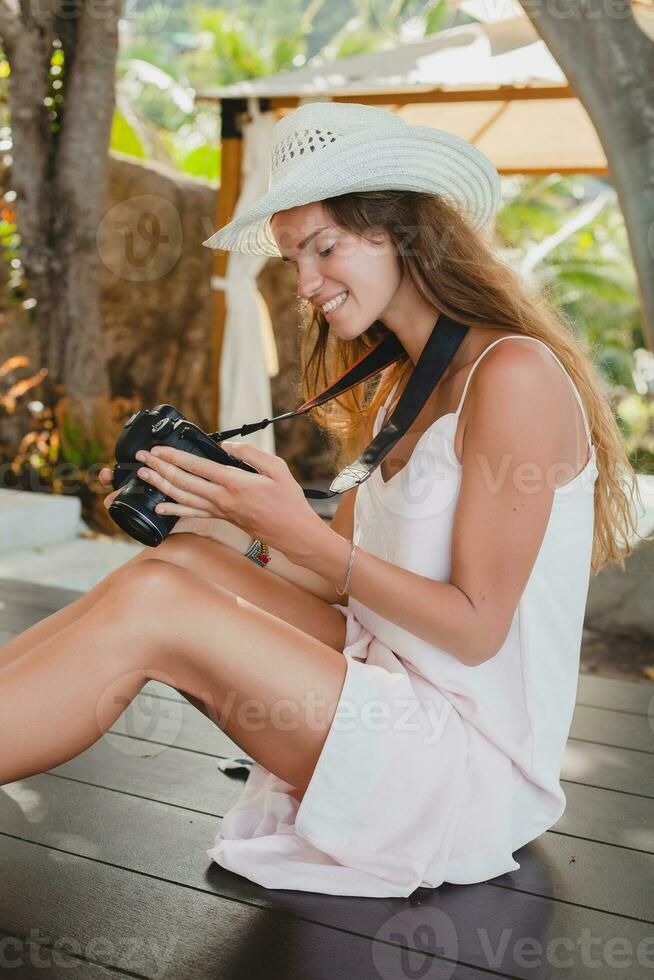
(231, 156)
(546, 171)
(497, 93)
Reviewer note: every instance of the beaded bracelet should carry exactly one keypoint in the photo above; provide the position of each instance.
(258, 552)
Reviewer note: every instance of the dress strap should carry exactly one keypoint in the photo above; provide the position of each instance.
(521, 336)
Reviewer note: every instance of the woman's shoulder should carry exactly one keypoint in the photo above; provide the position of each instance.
(525, 379)
(488, 344)
(497, 362)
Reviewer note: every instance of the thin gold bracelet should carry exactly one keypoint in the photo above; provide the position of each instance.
(349, 572)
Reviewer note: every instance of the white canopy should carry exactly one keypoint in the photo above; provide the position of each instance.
(480, 81)
(495, 84)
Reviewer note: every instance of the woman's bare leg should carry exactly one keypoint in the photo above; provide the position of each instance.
(161, 621)
(219, 563)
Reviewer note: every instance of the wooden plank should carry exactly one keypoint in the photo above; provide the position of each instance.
(618, 728)
(605, 692)
(172, 776)
(582, 872)
(617, 876)
(607, 816)
(169, 722)
(171, 841)
(15, 618)
(192, 932)
(393, 97)
(161, 690)
(32, 594)
(156, 928)
(609, 768)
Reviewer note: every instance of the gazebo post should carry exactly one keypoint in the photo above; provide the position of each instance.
(231, 154)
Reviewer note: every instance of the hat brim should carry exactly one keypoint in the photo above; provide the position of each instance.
(421, 159)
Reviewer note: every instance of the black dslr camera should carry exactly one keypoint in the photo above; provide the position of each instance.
(133, 509)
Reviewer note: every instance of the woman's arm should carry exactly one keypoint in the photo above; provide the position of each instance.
(234, 537)
(512, 447)
(237, 539)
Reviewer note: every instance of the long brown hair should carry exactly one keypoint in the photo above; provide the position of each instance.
(474, 286)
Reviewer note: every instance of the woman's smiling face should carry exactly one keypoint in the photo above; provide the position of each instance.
(331, 261)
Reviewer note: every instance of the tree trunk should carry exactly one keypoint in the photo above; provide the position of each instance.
(60, 165)
(609, 63)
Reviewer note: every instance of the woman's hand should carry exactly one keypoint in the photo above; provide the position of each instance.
(268, 504)
(193, 525)
(106, 476)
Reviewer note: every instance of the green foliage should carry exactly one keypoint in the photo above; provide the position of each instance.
(198, 47)
(9, 237)
(152, 51)
(439, 17)
(415, 19)
(203, 161)
(359, 42)
(124, 138)
(232, 44)
(589, 275)
(285, 50)
(77, 447)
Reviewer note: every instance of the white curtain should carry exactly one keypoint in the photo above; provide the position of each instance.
(249, 354)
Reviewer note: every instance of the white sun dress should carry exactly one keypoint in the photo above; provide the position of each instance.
(431, 771)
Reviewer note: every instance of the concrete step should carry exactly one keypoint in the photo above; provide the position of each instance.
(29, 520)
(79, 563)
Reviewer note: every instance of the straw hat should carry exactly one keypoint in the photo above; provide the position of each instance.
(325, 149)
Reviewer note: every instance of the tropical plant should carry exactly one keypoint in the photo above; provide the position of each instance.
(59, 454)
(167, 56)
(567, 235)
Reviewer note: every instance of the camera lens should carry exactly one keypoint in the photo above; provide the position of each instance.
(136, 517)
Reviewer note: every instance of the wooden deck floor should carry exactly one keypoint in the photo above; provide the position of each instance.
(103, 866)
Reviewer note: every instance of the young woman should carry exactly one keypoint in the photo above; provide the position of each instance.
(413, 732)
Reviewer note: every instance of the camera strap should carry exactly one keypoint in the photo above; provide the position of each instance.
(443, 343)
